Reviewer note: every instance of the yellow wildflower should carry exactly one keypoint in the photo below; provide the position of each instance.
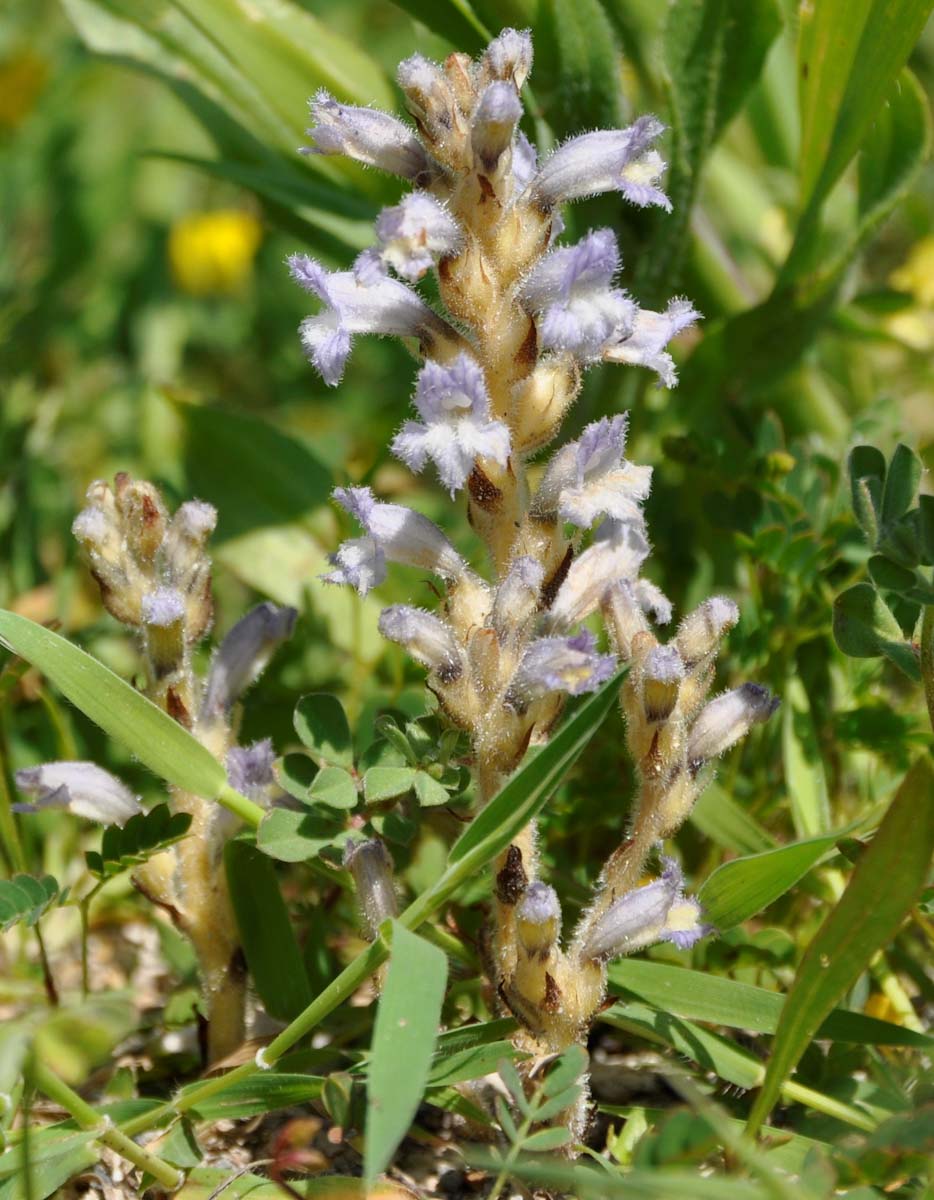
(211, 253)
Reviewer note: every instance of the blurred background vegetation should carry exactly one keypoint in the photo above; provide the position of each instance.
(150, 193)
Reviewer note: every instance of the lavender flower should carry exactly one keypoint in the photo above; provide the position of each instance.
(243, 655)
(524, 162)
(728, 718)
(651, 333)
(619, 549)
(163, 608)
(658, 911)
(494, 121)
(578, 311)
(517, 596)
(427, 638)
(368, 135)
(81, 787)
(560, 664)
(456, 428)
(606, 161)
(357, 301)
(415, 233)
(249, 769)
(393, 532)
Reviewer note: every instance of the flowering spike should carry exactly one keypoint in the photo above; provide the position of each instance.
(456, 428)
(82, 787)
(570, 291)
(368, 135)
(651, 333)
(606, 161)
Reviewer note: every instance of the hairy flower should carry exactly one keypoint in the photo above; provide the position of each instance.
(415, 233)
(728, 718)
(249, 769)
(590, 478)
(243, 655)
(619, 549)
(606, 161)
(368, 135)
(82, 787)
(393, 533)
(357, 301)
(651, 333)
(456, 428)
(656, 912)
(427, 638)
(570, 291)
(560, 664)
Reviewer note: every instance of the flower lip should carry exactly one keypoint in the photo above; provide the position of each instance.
(83, 788)
(604, 161)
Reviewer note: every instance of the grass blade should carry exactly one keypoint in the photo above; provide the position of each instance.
(403, 1044)
(882, 888)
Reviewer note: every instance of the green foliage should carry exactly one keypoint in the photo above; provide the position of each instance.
(403, 1043)
(137, 841)
(24, 899)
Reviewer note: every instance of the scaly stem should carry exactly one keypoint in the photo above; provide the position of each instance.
(47, 1082)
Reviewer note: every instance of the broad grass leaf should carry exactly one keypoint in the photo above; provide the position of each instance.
(146, 731)
(885, 883)
(700, 996)
(51, 1165)
(259, 1094)
(850, 52)
(266, 932)
(745, 886)
(719, 817)
(577, 72)
(404, 1036)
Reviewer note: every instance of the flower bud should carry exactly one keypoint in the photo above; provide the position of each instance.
(517, 596)
(494, 122)
(538, 919)
(81, 787)
(509, 57)
(728, 718)
(163, 620)
(186, 538)
(431, 101)
(662, 672)
(370, 864)
(700, 632)
(144, 516)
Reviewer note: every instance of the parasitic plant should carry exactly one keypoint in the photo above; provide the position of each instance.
(524, 316)
(154, 576)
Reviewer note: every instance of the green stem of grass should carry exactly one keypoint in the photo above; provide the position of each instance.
(47, 1082)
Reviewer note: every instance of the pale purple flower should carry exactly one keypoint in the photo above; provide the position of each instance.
(590, 478)
(723, 721)
(657, 911)
(605, 161)
(662, 674)
(249, 769)
(426, 637)
(651, 333)
(362, 300)
(82, 788)
(509, 56)
(456, 428)
(618, 551)
(559, 664)
(243, 655)
(367, 135)
(393, 533)
(415, 233)
(652, 600)
(577, 308)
